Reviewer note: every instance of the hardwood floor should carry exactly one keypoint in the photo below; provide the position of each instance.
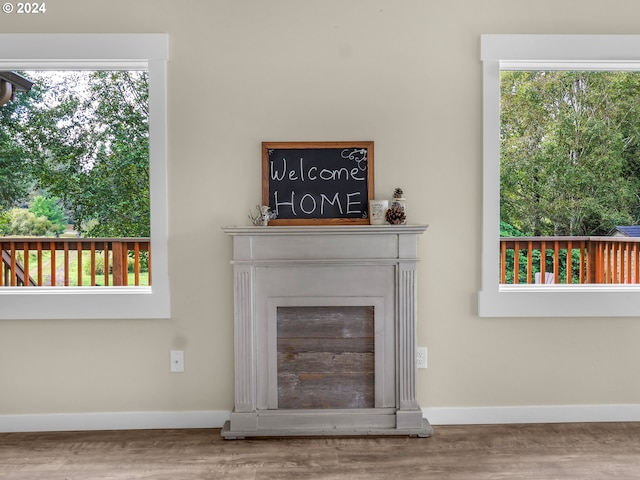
(549, 451)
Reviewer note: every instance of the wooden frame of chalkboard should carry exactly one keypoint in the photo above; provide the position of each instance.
(315, 183)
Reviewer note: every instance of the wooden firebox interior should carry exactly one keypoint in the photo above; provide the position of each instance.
(326, 357)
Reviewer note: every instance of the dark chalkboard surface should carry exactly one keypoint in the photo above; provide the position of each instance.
(317, 182)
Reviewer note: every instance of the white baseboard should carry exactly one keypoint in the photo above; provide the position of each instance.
(532, 414)
(216, 418)
(112, 421)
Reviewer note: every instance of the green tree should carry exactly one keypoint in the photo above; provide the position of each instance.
(15, 178)
(5, 222)
(507, 230)
(44, 206)
(569, 144)
(23, 223)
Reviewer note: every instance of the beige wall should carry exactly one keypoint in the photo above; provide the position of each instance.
(404, 73)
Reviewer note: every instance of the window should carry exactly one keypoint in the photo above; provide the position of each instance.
(112, 52)
(542, 53)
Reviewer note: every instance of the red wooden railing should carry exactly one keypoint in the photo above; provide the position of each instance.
(34, 261)
(570, 259)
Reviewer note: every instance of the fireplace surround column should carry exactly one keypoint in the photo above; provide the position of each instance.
(325, 267)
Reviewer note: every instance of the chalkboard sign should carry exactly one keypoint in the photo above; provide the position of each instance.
(308, 183)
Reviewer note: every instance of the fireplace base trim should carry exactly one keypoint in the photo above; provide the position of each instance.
(307, 423)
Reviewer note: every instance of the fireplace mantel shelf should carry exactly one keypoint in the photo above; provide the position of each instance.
(276, 267)
(325, 230)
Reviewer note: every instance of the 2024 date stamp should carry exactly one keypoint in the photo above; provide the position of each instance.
(21, 8)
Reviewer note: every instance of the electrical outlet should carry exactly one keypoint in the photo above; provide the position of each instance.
(177, 361)
(421, 357)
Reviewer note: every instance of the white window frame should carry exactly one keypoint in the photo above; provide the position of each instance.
(102, 52)
(540, 52)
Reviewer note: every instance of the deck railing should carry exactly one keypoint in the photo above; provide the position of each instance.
(38, 261)
(612, 260)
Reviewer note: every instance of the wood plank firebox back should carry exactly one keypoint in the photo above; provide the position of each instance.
(326, 357)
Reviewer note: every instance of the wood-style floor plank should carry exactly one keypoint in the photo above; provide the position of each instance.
(532, 452)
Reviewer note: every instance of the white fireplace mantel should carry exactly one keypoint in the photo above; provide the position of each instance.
(319, 266)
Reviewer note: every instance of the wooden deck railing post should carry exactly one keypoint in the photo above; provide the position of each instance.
(79, 261)
(125, 263)
(543, 261)
(556, 262)
(569, 263)
(503, 262)
(14, 270)
(54, 270)
(39, 260)
(516, 262)
(119, 270)
(592, 263)
(530, 273)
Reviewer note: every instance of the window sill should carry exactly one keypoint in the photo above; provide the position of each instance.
(56, 303)
(560, 301)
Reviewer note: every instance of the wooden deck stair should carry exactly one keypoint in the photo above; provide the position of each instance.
(20, 273)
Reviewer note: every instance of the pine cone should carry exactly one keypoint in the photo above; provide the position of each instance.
(395, 215)
(397, 193)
